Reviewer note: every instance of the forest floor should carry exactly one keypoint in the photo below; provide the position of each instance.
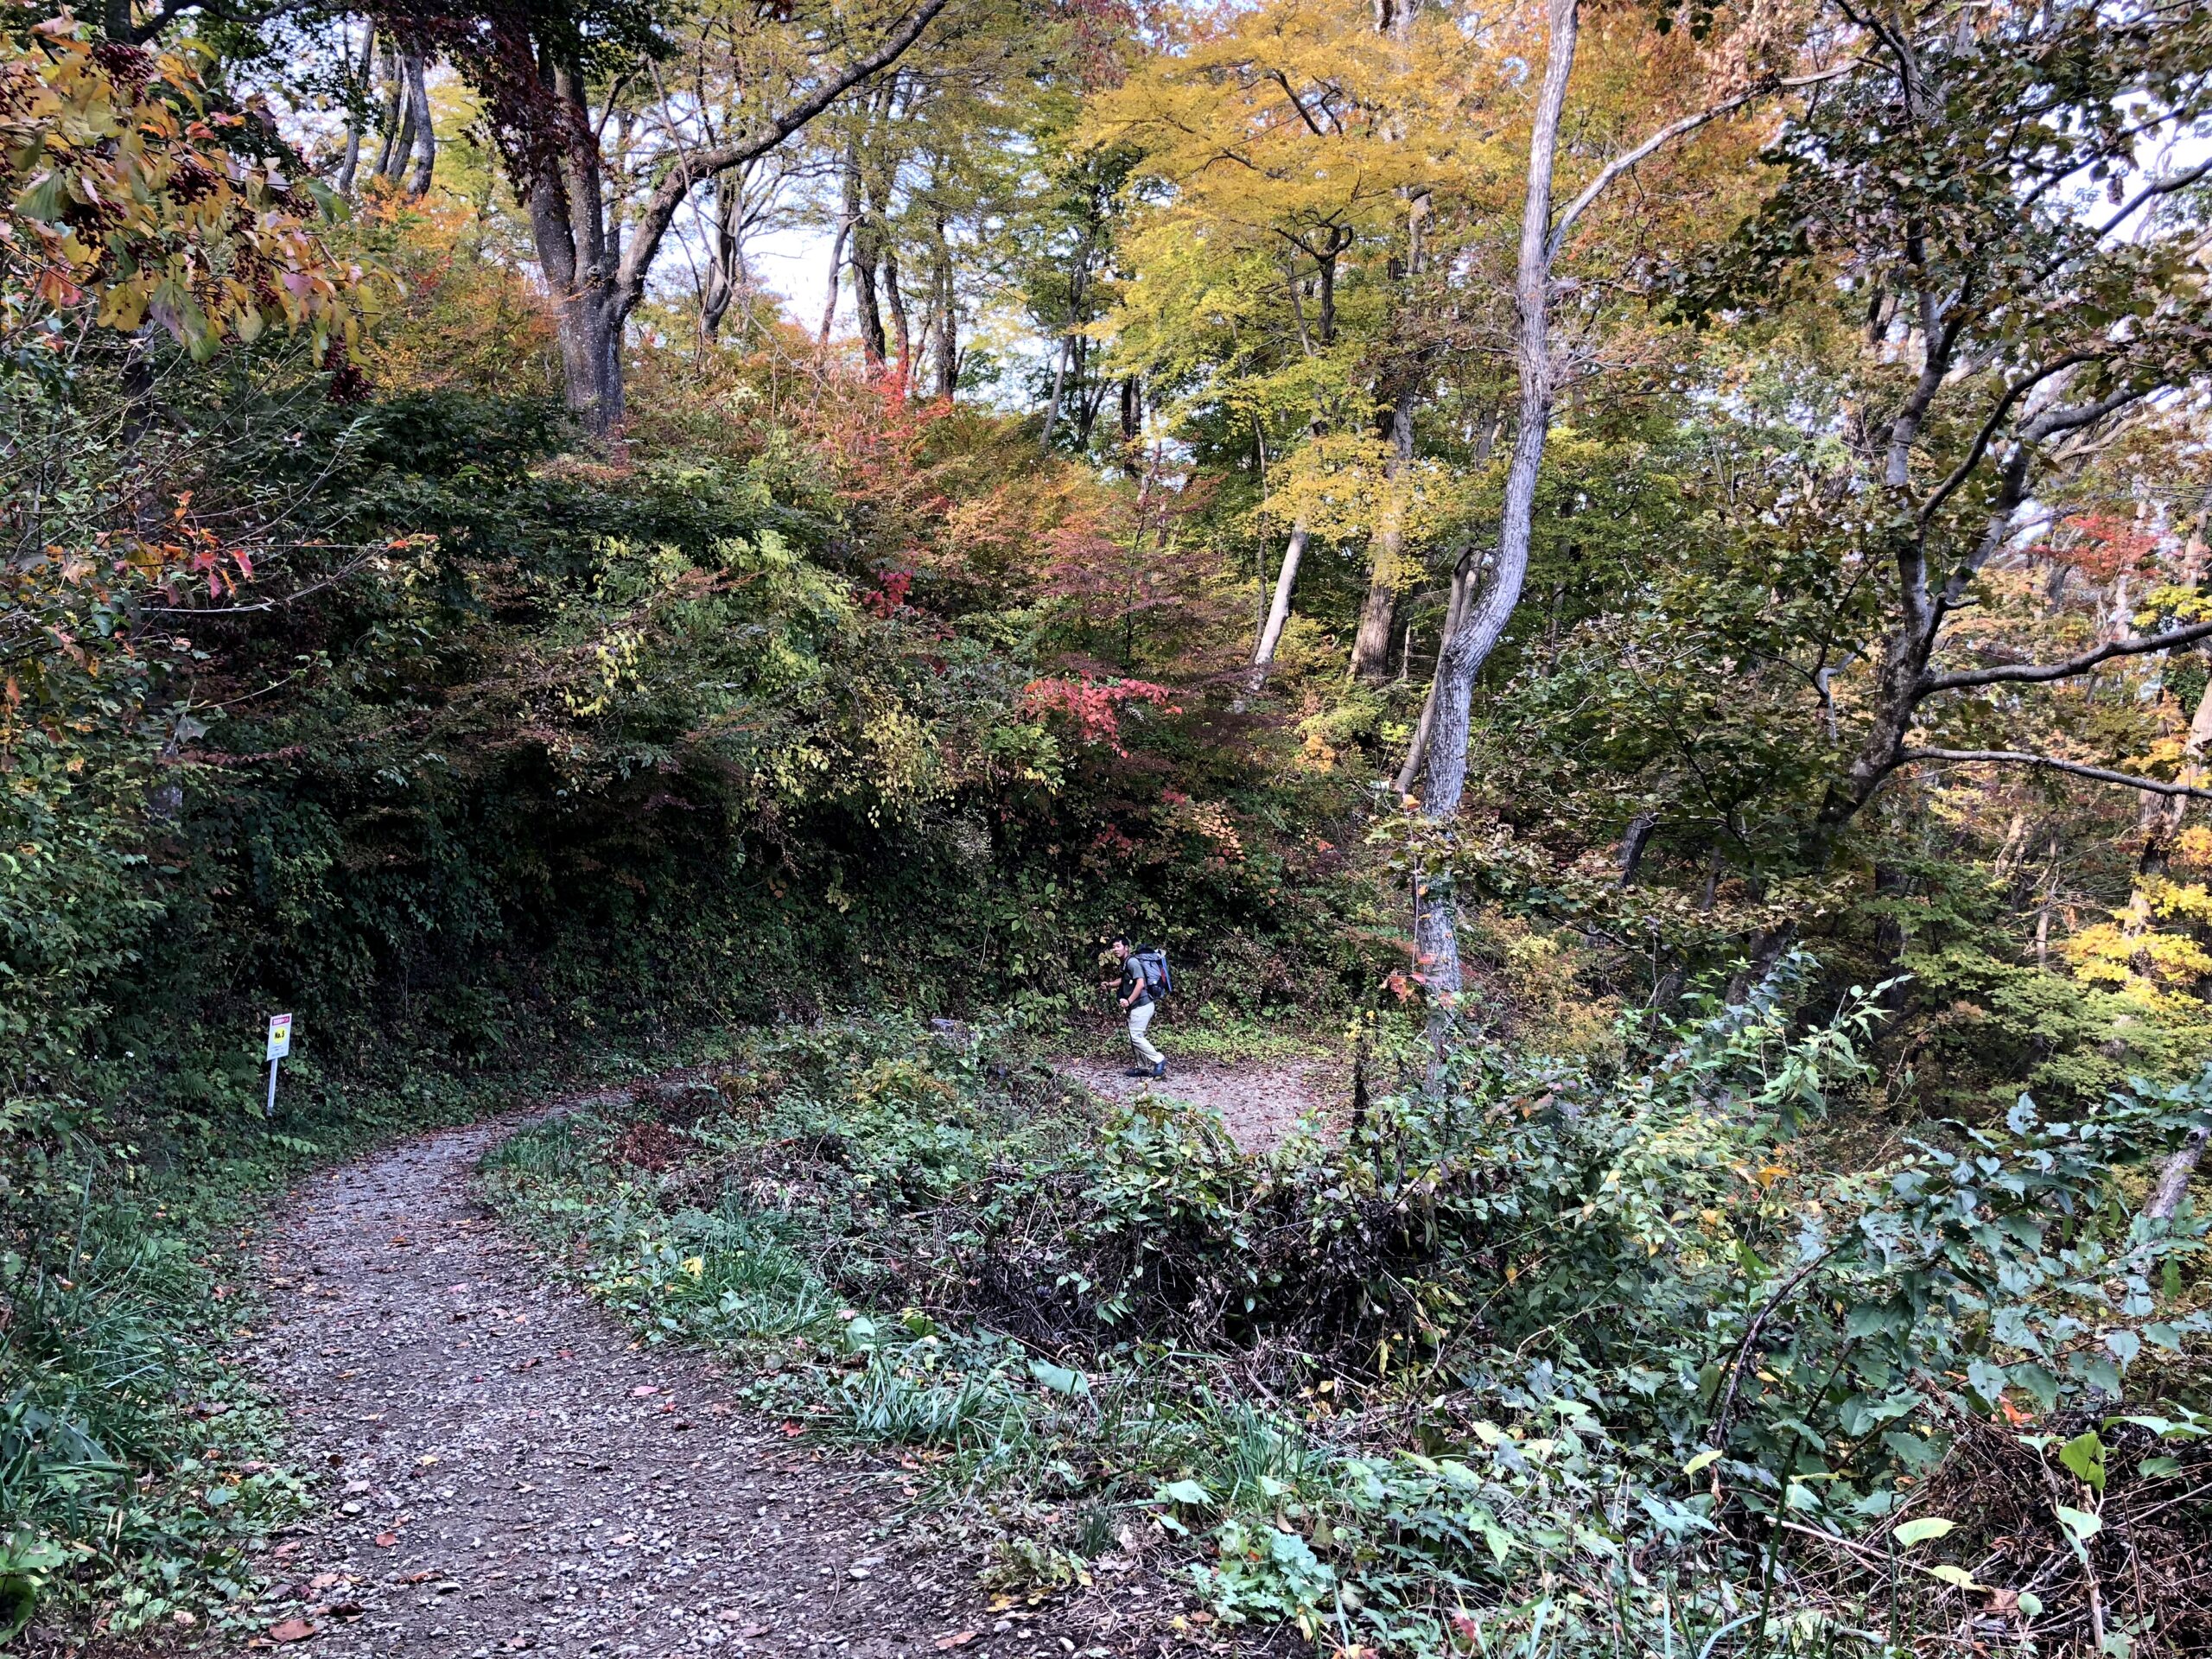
(507, 1471)
(1260, 1102)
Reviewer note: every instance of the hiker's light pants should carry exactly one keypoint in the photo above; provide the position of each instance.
(1139, 1017)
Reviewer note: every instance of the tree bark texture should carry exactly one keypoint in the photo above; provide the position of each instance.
(426, 137)
(351, 166)
(1075, 284)
(596, 277)
(1484, 622)
(2173, 1177)
(1455, 608)
(867, 252)
(722, 255)
(395, 110)
(1263, 654)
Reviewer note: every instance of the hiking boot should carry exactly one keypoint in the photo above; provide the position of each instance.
(1159, 1072)
(1142, 1071)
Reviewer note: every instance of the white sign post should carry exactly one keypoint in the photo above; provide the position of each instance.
(280, 1045)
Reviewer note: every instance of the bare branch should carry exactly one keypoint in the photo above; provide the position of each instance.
(2042, 673)
(1667, 135)
(1297, 103)
(660, 208)
(2095, 774)
(2053, 422)
(2013, 393)
(2159, 187)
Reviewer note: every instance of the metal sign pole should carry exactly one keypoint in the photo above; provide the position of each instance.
(280, 1045)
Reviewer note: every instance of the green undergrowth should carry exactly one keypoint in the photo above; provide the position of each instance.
(143, 1470)
(1552, 1357)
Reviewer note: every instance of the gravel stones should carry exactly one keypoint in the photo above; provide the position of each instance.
(507, 1472)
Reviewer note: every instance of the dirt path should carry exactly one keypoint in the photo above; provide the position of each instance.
(1260, 1102)
(508, 1472)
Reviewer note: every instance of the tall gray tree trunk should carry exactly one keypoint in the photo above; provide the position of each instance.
(1263, 654)
(568, 223)
(894, 300)
(426, 138)
(1436, 940)
(395, 108)
(1455, 608)
(353, 124)
(1059, 390)
(836, 271)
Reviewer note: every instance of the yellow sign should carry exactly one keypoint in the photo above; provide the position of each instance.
(280, 1036)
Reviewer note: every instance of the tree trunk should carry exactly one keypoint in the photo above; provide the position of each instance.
(947, 344)
(875, 345)
(722, 256)
(836, 271)
(902, 334)
(1455, 608)
(1634, 841)
(395, 108)
(597, 277)
(1067, 346)
(1463, 577)
(1897, 683)
(426, 137)
(568, 224)
(1370, 648)
(353, 123)
(1263, 655)
(1436, 942)
(1059, 390)
(2173, 1179)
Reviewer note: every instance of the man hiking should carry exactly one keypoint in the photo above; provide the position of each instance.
(1143, 974)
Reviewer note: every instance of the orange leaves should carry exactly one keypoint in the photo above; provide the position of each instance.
(2100, 546)
(121, 198)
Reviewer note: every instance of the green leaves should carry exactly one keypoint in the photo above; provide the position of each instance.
(2085, 1456)
(2080, 1526)
(1922, 1530)
(1059, 1379)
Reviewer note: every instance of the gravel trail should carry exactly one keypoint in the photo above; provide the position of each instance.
(1259, 1101)
(508, 1472)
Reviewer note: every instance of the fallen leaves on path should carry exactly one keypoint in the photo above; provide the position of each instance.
(531, 1491)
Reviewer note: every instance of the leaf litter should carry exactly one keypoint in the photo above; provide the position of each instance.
(520, 1485)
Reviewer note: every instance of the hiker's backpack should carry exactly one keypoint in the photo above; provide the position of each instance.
(1153, 964)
